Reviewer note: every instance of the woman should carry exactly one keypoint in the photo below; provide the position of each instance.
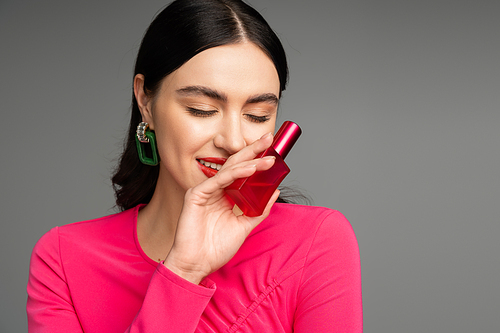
(180, 257)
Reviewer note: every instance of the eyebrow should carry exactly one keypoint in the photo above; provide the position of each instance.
(269, 98)
(264, 98)
(203, 91)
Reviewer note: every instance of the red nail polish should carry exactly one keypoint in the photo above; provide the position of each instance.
(252, 194)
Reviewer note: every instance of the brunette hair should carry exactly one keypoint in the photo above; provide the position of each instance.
(179, 32)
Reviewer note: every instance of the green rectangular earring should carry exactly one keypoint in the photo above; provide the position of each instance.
(143, 137)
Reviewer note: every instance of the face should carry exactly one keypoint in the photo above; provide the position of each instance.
(220, 101)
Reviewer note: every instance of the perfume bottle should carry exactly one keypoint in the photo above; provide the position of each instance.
(252, 194)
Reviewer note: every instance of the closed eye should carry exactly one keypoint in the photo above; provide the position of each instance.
(258, 119)
(201, 113)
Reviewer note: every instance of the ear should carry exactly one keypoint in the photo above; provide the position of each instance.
(143, 100)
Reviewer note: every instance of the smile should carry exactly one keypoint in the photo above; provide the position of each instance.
(211, 165)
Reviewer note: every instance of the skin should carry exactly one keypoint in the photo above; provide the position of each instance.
(222, 103)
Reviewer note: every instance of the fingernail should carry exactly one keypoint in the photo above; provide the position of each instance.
(265, 136)
(269, 158)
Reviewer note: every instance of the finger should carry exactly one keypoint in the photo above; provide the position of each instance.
(250, 151)
(271, 202)
(225, 177)
(237, 211)
(244, 169)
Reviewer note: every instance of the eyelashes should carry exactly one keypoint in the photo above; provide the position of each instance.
(258, 119)
(209, 113)
(201, 113)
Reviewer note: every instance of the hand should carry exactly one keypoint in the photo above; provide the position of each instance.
(208, 232)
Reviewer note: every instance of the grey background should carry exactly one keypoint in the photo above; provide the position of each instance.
(400, 106)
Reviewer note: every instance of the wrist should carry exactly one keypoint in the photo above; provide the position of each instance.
(190, 274)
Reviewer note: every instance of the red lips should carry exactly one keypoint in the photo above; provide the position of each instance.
(209, 172)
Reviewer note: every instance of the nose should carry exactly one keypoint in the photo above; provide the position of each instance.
(230, 136)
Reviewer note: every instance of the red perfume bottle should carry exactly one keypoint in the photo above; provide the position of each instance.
(252, 194)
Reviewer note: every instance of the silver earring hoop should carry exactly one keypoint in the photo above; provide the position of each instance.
(141, 132)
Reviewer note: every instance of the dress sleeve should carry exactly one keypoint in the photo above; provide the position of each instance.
(49, 306)
(329, 296)
(171, 304)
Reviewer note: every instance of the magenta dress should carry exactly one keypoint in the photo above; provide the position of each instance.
(298, 271)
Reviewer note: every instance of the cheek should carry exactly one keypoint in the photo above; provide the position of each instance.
(183, 138)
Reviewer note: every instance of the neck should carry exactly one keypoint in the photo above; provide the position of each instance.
(157, 221)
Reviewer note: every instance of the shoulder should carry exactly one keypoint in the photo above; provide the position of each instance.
(316, 234)
(47, 248)
(301, 234)
(85, 233)
(304, 222)
(101, 225)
